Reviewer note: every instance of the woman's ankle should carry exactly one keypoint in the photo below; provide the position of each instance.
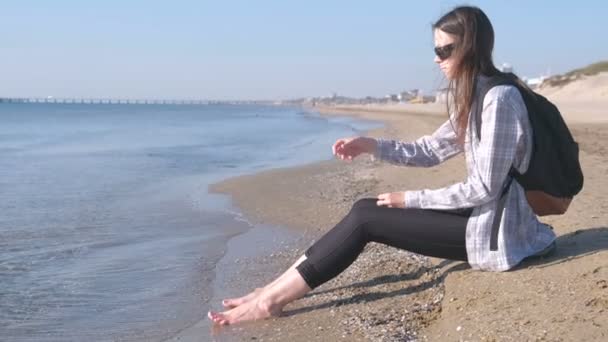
(269, 305)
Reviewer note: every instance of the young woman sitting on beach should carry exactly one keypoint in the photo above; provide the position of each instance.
(453, 222)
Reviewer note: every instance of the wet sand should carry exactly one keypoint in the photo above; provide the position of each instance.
(393, 295)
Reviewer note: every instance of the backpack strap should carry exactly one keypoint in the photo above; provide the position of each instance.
(477, 106)
(500, 208)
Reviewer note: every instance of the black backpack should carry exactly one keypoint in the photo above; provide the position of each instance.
(554, 174)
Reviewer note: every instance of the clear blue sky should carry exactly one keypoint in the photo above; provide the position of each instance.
(225, 49)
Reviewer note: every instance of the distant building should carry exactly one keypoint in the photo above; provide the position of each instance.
(534, 82)
(392, 98)
(406, 96)
(505, 67)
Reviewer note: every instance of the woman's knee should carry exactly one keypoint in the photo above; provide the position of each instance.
(364, 203)
(360, 213)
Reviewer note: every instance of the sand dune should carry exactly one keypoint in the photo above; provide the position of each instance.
(588, 88)
(581, 101)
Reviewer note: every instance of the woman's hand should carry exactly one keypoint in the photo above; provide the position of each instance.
(392, 199)
(349, 148)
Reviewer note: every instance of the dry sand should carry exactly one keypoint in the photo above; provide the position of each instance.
(392, 295)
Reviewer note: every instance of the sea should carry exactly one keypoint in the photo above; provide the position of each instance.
(107, 228)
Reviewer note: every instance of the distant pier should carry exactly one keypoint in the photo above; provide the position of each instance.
(101, 101)
(54, 100)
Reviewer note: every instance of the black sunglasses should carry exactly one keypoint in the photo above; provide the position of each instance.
(444, 52)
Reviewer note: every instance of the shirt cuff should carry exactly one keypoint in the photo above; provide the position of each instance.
(380, 147)
(412, 199)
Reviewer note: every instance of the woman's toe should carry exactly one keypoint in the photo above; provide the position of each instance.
(215, 317)
(230, 303)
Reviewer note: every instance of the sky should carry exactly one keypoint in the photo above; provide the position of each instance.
(270, 50)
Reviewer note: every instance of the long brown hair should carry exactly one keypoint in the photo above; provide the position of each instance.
(474, 42)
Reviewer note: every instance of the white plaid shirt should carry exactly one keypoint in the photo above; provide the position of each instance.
(505, 142)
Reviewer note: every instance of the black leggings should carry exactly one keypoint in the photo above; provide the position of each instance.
(437, 233)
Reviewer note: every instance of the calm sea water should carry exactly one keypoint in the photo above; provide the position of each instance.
(107, 230)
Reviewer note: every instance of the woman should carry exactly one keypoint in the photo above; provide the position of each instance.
(452, 222)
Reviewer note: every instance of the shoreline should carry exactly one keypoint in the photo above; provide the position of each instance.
(389, 294)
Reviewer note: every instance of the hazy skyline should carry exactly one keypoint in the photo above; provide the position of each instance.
(270, 49)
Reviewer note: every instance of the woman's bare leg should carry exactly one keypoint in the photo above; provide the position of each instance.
(234, 302)
(268, 302)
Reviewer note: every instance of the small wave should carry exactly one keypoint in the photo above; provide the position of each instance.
(238, 216)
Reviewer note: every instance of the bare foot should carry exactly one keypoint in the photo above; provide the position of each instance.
(252, 310)
(231, 303)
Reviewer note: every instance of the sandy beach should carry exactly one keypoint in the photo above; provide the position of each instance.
(393, 295)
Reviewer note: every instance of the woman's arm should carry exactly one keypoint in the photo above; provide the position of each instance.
(501, 131)
(427, 151)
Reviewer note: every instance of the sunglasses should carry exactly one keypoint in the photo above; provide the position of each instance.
(444, 52)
